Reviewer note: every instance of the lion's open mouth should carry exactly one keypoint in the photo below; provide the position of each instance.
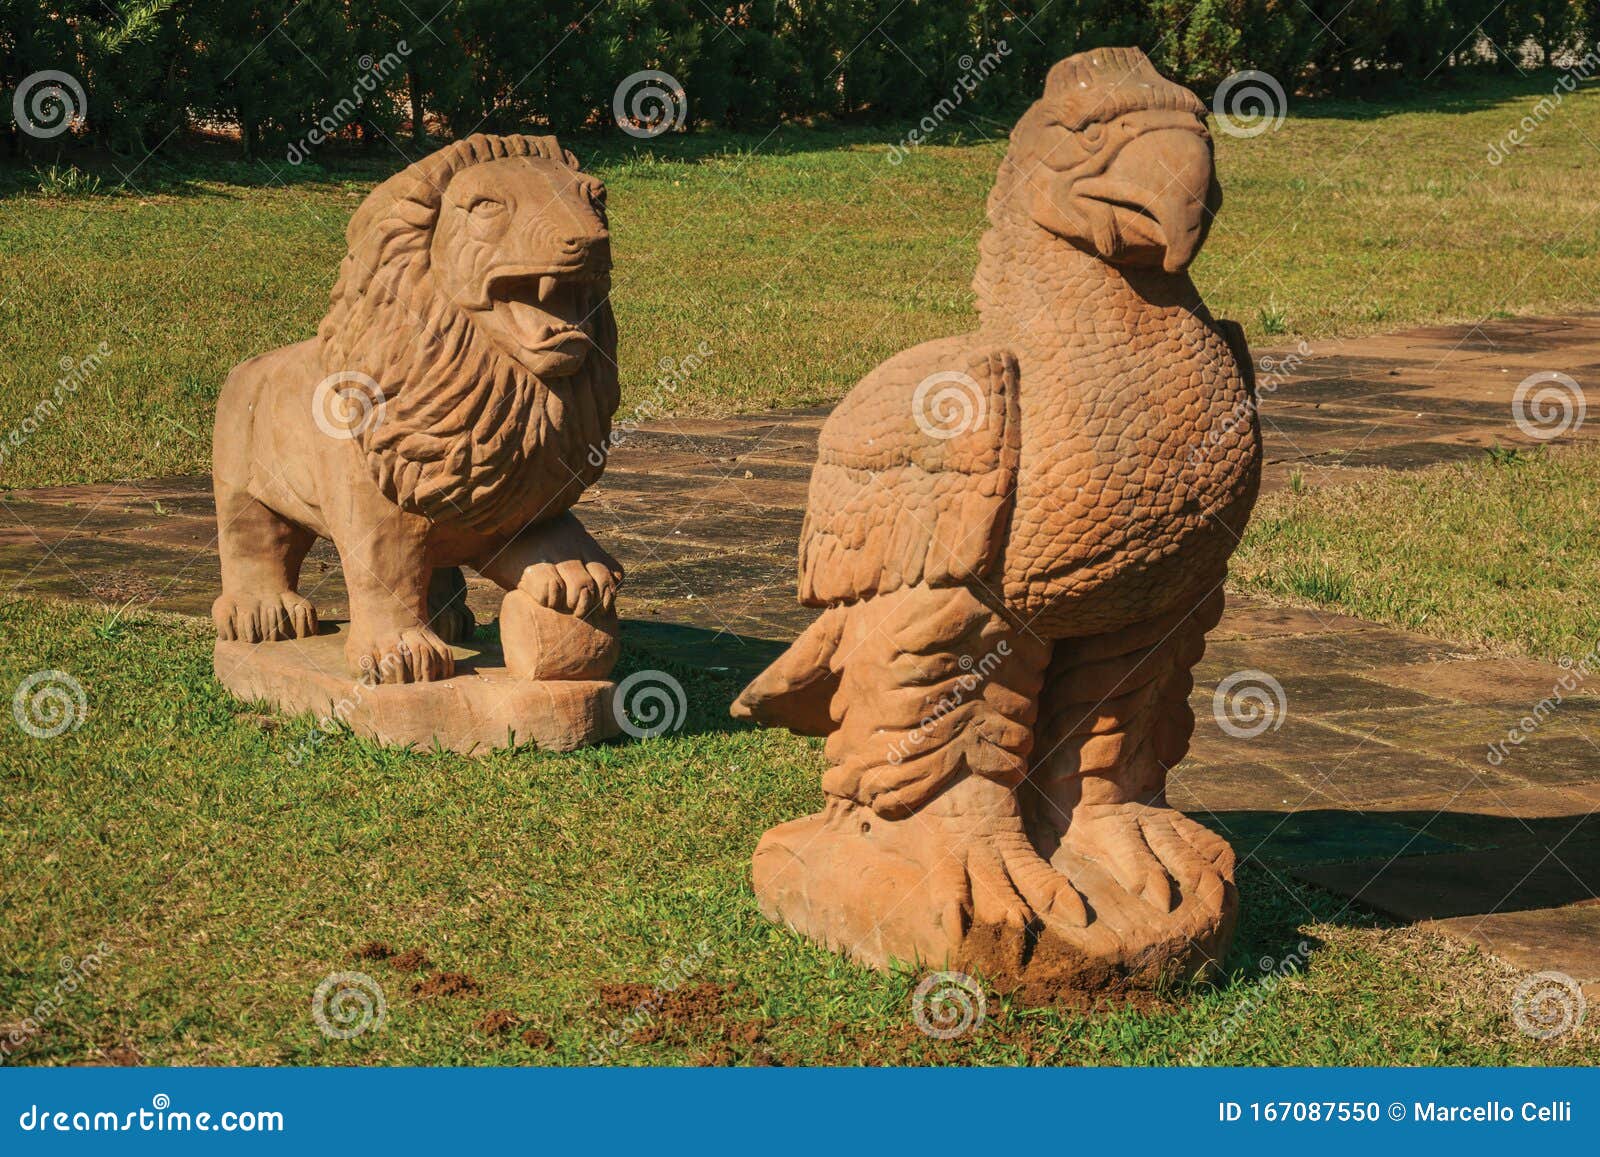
(546, 311)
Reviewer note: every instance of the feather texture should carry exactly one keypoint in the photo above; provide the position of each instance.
(915, 475)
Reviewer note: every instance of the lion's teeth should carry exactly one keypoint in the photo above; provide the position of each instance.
(547, 288)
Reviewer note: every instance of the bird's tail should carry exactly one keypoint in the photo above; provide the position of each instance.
(797, 690)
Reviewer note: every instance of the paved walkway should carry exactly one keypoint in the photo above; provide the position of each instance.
(1375, 785)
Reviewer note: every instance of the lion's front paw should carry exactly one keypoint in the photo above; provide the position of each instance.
(574, 588)
(409, 655)
(264, 618)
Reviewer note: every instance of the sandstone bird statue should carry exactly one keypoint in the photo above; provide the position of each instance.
(1019, 537)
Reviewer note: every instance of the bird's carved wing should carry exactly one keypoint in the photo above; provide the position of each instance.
(915, 475)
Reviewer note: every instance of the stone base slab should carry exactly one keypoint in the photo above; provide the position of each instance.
(894, 893)
(482, 708)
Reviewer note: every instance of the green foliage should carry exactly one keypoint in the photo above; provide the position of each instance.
(279, 72)
(66, 181)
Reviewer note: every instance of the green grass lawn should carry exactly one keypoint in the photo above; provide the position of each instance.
(228, 867)
(800, 259)
(1503, 551)
(517, 908)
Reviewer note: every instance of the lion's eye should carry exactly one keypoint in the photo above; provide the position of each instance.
(486, 207)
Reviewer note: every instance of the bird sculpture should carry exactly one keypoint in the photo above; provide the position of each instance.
(1018, 539)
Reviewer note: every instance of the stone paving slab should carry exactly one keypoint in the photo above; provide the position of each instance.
(1373, 783)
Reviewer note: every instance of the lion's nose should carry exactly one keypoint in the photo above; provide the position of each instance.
(579, 241)
(589, 248)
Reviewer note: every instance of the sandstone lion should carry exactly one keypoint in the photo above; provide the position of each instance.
(445, 413)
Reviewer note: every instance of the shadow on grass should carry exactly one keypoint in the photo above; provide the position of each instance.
(196, 164)
(712, 666)
(1465, 93)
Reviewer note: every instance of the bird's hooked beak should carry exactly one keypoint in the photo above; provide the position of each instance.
(1153, 204)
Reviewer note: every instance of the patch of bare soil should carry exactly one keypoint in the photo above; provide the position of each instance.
(694, 1002)
(501, 1020)
(446, 984)
(411, 960)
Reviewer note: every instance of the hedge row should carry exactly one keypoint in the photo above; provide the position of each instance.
(289, 74)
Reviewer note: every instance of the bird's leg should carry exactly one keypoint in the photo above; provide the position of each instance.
(921, 851)
(1114, 721)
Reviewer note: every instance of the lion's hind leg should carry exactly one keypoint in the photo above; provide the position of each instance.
(261, 556)
(448, 614)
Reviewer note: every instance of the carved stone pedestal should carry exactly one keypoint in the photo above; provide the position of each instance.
(481, 707)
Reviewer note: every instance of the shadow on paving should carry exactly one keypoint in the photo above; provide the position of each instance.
(1426, 865)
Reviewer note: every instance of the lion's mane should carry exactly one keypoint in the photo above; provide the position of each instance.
(465, 434)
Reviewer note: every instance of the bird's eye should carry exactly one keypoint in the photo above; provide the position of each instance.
(1093, 136)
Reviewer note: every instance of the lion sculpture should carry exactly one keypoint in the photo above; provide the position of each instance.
(445, 414)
